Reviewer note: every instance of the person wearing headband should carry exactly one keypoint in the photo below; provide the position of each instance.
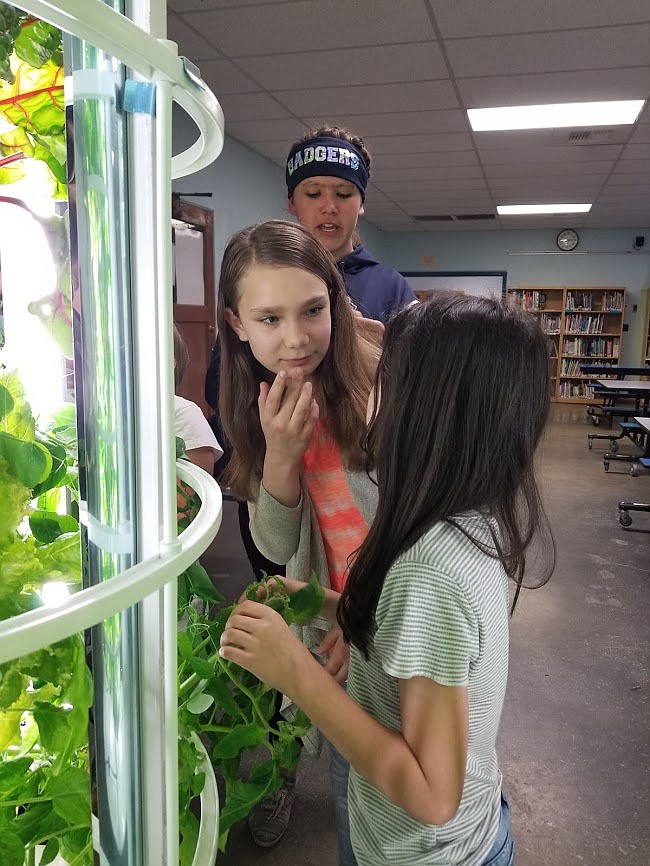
(327, 173)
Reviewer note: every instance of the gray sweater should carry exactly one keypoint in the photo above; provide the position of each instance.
(292, 536)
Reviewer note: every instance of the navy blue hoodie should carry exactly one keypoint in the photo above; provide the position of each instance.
(376, 290)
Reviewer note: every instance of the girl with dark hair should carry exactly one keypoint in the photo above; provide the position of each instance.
(460, 403)
(294, 387)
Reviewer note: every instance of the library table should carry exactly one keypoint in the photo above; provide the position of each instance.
(625, 507)
(621, 372)
(637, 391)
(609, 407)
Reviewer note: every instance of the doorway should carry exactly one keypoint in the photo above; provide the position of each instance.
(193, 291)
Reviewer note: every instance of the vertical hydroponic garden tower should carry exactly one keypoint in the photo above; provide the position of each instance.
(120, 79)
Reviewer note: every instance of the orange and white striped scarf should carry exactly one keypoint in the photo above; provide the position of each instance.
(341, 524)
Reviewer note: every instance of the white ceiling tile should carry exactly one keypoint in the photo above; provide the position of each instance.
(615, 194)
(277, 151)
(390, 226)
(540, 193)
(513, 223)
(549, 52)
(638, 215)
(622, 182)
(414, 196)
(378, 64)
(432, 204)
(418, 143)
(551, 141)
(223, 77)
(455, 186)
(433, 171)
(384, 161)
(638, 167)
(398, 122)
(385, 212)
(636, 151)
(523, 140)
(250, 131)
(610, 223)
(435, 174)
(190, 43)
(547, 88)
(600, 168)
(374, 194)
(307, 25)
(586, 155)
(242, 106)
(370, 99)
(436, 206)
(459, 18)
(641, 134)
(452, 226)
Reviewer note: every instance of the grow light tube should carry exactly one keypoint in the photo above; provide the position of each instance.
(28, 275)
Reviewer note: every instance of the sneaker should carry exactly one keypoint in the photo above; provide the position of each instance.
(269, 820)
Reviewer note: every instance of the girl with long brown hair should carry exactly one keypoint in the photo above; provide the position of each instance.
(294, 386)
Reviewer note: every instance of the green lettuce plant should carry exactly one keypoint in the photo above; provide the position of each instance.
(229, 708)
(45, 695)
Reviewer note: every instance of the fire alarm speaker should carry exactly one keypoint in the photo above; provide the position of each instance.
(639, 240)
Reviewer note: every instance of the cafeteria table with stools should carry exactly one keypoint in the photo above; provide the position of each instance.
(624, 508)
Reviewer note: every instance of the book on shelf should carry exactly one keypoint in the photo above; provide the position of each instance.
(610, 302)
(593, 347)
(550, 323)
(584, 323)
(569, 390)
(579, 301)
(613, 302)
(529, 300)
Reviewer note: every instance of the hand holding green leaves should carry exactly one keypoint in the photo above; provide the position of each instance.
(258, 639)
(231, 708)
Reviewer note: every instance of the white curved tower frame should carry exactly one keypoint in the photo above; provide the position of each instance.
(163, 555)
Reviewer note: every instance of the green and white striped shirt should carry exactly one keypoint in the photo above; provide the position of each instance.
(442, 614)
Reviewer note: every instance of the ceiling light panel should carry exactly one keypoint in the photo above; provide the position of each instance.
(573, 114)
(517, 209)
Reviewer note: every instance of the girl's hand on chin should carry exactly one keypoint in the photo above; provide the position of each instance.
(259, 640)
(288, 415)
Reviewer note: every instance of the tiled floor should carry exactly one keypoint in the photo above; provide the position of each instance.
(574, 744)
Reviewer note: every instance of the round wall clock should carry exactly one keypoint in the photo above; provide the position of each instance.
(567, 240)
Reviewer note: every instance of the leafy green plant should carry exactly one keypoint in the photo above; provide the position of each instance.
(229, 708)
(44, 696)
(31, 97)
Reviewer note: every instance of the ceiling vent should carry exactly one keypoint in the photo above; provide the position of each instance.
(584, 136)
(461, 217)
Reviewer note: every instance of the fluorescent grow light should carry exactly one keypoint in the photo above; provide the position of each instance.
(613, 113)
(520, 209)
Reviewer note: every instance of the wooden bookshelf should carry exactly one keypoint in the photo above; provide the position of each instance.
(646, 347)
(584, 324)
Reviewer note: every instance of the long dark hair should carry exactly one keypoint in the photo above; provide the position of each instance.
(464, 392)
(345, 374)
